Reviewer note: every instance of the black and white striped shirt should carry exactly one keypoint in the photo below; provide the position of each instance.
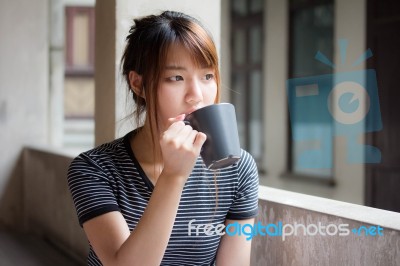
(109, 178)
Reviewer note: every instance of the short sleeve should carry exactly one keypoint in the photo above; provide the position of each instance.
(90, 188)
(245, 204)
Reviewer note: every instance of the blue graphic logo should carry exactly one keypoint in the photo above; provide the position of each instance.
(343, 104)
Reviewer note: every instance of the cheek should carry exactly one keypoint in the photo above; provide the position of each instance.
(167, 101)
(210, 94)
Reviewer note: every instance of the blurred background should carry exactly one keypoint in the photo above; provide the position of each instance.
(61, 92)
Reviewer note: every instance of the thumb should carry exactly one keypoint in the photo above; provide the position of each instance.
(176, 119)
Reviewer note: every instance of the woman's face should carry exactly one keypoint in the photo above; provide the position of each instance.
(183, 87)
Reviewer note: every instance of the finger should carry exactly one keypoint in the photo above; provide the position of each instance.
(176, 119)
(189, 140)
(185, 135)
(179, 129)
(173, 125)
(180, 134)
(199, 141)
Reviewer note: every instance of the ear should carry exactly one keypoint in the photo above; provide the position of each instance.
(135, 82)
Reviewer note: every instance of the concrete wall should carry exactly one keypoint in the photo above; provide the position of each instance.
(350, 24)
(225, 58)
(24, 79)
(275, 76)
(48, 210)
(290, 208)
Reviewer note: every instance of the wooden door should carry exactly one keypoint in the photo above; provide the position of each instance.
(383, 38)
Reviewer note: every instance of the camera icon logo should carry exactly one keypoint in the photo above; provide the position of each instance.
(343, 104)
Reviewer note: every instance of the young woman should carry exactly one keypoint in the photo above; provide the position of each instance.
(147, 198)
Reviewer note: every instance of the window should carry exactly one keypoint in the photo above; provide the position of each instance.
(79, 77)
(80, 41)
(311, 30)
(246, 72)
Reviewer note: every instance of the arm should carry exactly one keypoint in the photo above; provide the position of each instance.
(114, 245)
(109, 234)
(234, 250)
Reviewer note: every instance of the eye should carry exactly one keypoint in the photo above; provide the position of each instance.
(209, 76)
(175, 78)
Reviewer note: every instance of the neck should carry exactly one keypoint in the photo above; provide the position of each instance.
(148, 153)
(147, 146)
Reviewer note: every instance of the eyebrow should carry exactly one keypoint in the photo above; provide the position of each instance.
(174, 67)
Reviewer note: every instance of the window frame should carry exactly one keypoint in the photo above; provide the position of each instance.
(245, 23)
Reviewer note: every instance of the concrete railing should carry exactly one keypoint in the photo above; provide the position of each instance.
(48, 209)
(49, 212)
(375, 241)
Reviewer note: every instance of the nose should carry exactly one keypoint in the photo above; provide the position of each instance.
(194, 94)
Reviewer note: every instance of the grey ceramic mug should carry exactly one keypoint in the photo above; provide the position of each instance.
(218, 122)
